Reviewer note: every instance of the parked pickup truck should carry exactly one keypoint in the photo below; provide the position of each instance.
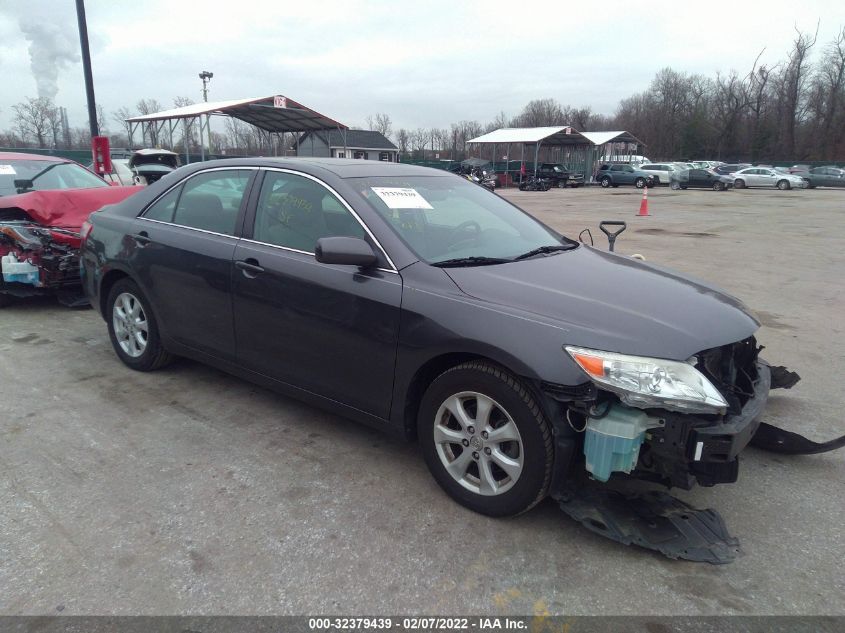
(615, 175)
(559, 175)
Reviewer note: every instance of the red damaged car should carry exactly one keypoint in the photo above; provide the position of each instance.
(44, 200)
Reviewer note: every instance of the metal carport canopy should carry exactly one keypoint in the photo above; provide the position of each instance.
(273, 114)
(550, 136)
(601, 138)
(564, 135)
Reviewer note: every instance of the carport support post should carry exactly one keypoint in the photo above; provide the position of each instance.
(521, 163)
(187, 142)
(507, 162)
(536, 155)
(202, 143)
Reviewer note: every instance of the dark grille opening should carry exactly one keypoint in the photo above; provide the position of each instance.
(733, 371)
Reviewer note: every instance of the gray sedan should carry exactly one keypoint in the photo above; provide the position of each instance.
(767, 177)
(826, 177)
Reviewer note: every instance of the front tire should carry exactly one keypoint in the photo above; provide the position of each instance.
(739, 183)
(639, 183)
(718, 186)
(783, 185)
(485, 439)
(133, 329)
(605, 182)
(674, 186)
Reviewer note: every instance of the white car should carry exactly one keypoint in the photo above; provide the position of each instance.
(662, 172)
(767, 177)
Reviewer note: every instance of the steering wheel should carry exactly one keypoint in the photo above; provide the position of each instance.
(452, 239)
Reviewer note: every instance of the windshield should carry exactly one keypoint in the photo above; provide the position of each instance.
(44, 176)
(445, 218)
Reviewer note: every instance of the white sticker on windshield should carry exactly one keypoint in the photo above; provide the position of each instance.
(401, 198)
(7, 170)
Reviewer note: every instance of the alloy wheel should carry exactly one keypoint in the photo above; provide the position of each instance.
(478, 443)
(130, 324)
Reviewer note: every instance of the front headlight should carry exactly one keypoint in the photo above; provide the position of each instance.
(645, 382)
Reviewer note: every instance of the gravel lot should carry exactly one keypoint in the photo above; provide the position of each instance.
(188, 491)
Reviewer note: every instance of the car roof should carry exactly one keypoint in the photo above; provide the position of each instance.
(25, 156)
(340, 167)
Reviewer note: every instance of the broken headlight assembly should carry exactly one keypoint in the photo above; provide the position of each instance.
(645, 382)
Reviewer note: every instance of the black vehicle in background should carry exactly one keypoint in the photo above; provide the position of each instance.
(559, 176)
(534, 183)
(414, 301)
(477, 170)
(700, 179)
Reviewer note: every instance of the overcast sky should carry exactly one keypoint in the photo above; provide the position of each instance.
(424, 63)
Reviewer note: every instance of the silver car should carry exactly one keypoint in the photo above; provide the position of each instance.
(767, 177)
(661, 172)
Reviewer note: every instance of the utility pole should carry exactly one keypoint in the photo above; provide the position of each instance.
(206, 77)
(86, 67)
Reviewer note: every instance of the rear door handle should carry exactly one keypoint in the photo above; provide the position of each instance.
(249, 267)
(142, 239)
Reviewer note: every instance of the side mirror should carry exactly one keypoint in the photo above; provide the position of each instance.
(349, 251)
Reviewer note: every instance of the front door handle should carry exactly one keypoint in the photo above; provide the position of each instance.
(249, 267)
(142, 239)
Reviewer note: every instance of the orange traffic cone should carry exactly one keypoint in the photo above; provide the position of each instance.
(644, 204)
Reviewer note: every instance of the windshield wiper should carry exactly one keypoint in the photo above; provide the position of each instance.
(470, 261)
(552, 248)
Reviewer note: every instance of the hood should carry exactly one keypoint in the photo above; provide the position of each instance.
(65, 208)
(613, 303)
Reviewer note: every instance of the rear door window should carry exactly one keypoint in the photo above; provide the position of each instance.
(211, 201)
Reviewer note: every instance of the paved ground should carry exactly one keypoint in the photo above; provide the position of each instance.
(188, 491)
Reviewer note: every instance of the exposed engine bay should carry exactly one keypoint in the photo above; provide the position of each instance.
(35, 260)
(644, 421)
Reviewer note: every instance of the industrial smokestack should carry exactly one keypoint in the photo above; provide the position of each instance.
(66, 129)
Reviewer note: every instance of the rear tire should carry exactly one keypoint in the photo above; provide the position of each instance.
(476, 420)
(5, 300)
(133, 329)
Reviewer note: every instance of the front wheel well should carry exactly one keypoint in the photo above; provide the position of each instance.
(424, 376)
(109, 280)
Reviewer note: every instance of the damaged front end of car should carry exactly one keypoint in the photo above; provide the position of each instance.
(667, 422)
(41, 233)
(671, 423)
(37, 260)
(638, 421)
